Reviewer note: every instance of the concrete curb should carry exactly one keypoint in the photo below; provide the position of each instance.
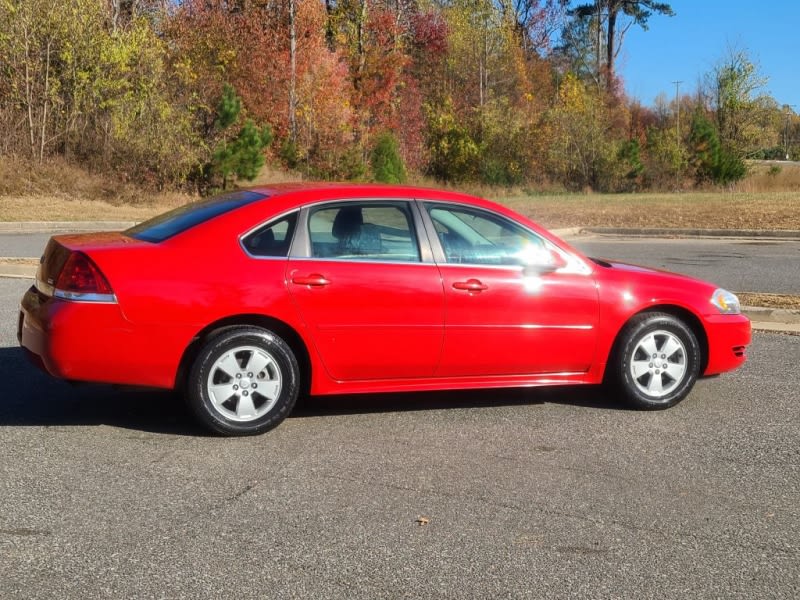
(567, 231)
(62, 226)
(763, 314)
(789, 234)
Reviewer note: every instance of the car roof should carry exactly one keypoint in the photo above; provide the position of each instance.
(344, 187)
(304, 191)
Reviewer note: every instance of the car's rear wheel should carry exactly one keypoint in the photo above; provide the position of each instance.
(244, 381)
(657, 362)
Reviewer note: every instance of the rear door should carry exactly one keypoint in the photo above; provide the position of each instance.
(368, 290)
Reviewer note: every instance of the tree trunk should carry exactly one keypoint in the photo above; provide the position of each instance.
(29, 96)
(45, 101)
(613, 9)
(292, 70)
(362, 58)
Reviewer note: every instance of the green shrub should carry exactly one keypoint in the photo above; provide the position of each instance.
(386, 162)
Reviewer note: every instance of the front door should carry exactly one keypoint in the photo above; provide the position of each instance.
(507, 313)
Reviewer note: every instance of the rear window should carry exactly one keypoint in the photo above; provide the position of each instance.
(172, 223)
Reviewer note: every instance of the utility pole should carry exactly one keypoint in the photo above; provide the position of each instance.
(677, 110)
(788, 116)
(677, 129)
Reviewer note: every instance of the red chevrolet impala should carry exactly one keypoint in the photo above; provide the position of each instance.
(250, 298)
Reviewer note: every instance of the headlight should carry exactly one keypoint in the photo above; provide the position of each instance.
(726, 302)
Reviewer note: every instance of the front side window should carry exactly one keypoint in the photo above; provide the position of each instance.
(472, 236)
(364, 231)
(273, 239)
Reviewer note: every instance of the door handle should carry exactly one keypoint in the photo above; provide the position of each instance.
(313, 280)
(470, 285)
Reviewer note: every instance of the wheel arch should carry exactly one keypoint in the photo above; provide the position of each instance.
(280, 328)
(691, 320)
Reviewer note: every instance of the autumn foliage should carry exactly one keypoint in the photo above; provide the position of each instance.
(504, 93)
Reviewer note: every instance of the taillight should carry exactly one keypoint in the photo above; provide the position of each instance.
(80, 279)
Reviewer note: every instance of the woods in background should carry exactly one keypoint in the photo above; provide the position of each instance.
(198, 93)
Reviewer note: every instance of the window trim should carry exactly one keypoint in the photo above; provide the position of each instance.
(301, 245)
(578, 266)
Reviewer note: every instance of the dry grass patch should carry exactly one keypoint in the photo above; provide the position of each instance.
(769, 300)
(771, 176)
(59, 191)
(49, 208)
(707, 210)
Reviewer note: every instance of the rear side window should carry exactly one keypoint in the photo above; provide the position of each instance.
(172, 223)
(272, 239)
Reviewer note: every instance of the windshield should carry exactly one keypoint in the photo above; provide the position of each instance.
(172, 223)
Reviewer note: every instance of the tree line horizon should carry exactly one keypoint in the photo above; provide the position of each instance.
(198, 94)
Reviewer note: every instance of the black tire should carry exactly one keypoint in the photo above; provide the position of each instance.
(229, 396)
(663, 351)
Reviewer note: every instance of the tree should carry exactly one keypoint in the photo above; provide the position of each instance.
(743, 114)
(387, 164)
(612, 14)
(241, 154)
(535, 21)
(712, 160)
(666, 159)
(581, 151)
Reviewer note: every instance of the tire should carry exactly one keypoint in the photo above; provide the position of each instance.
(244, 381)
(657, 361)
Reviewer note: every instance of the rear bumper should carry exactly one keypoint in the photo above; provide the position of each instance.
(728, 338)
(92, 341)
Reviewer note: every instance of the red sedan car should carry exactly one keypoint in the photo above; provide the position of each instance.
(250, 298)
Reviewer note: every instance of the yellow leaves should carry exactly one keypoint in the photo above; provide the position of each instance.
(572, 94)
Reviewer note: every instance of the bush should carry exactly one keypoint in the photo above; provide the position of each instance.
(713, 161)
(386, 162)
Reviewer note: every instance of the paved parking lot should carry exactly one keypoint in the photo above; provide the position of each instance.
(527, 494)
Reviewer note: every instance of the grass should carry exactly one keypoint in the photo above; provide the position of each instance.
(707, 210)
(58, 191)
(48, 208)
(769, 300)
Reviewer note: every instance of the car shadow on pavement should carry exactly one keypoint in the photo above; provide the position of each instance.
(30, 397)
(580, 396)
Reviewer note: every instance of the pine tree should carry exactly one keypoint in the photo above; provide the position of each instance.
(240, 155)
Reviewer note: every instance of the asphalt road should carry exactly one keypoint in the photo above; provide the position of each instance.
(23, 245)
(528, 494)
(739, 265)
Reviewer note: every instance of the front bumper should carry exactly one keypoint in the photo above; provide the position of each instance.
(728, 338)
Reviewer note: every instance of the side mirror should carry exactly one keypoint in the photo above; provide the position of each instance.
(549, 262)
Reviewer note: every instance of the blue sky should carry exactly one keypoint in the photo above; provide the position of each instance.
(684, 47)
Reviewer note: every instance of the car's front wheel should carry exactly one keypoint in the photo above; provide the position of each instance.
(657, 362)
(244, 381)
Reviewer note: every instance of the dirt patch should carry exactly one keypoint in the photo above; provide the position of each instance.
(770, 300)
